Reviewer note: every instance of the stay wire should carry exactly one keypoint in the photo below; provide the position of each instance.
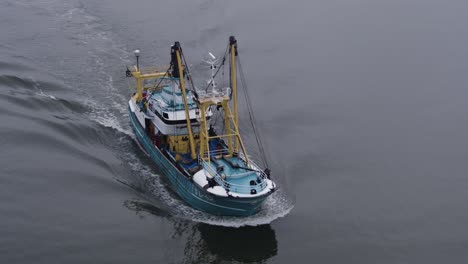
(251, 114)
(161, 79)
(190, 75)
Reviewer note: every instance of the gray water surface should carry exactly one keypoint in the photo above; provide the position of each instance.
(361, 105)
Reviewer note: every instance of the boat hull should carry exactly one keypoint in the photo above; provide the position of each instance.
(188, 190)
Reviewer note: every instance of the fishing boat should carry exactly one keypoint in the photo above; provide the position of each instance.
(206, 164)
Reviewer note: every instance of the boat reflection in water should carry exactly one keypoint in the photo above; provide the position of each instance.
(244, 244)
(214, 244)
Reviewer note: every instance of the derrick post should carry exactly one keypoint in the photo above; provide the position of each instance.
(233, 55)
(178, 72)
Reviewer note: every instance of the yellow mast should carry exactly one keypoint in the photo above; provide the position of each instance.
(177, 50)
(231, 118)
(233, 52)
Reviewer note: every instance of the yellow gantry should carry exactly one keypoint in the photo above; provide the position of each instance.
(230, 117)
(232, 129)
(145, 74)
(232, 136)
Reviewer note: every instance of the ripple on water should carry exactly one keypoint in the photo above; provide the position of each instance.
(110, 111)
(154, 188)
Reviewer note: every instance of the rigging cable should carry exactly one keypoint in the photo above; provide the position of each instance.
(189, 75)
(160, 79)
(251, 113)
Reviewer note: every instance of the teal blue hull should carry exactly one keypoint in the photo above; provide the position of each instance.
(190, 192)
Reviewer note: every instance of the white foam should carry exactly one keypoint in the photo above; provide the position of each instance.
(41, 93)
(107, 118)
(276, 206)
(108, 107)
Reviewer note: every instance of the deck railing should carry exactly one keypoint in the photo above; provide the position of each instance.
(216, 152)
(222, 179)
(216, 94)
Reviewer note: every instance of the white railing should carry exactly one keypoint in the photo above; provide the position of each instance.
(217, 152)
(214, 94)
(221, 179)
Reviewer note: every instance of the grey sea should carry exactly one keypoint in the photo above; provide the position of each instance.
(361, 104)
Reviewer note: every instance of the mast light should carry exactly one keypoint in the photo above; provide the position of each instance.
(137, 55)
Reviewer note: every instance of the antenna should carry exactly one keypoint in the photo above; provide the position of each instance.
(212, 62)
(212, 56)
(137, 55)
